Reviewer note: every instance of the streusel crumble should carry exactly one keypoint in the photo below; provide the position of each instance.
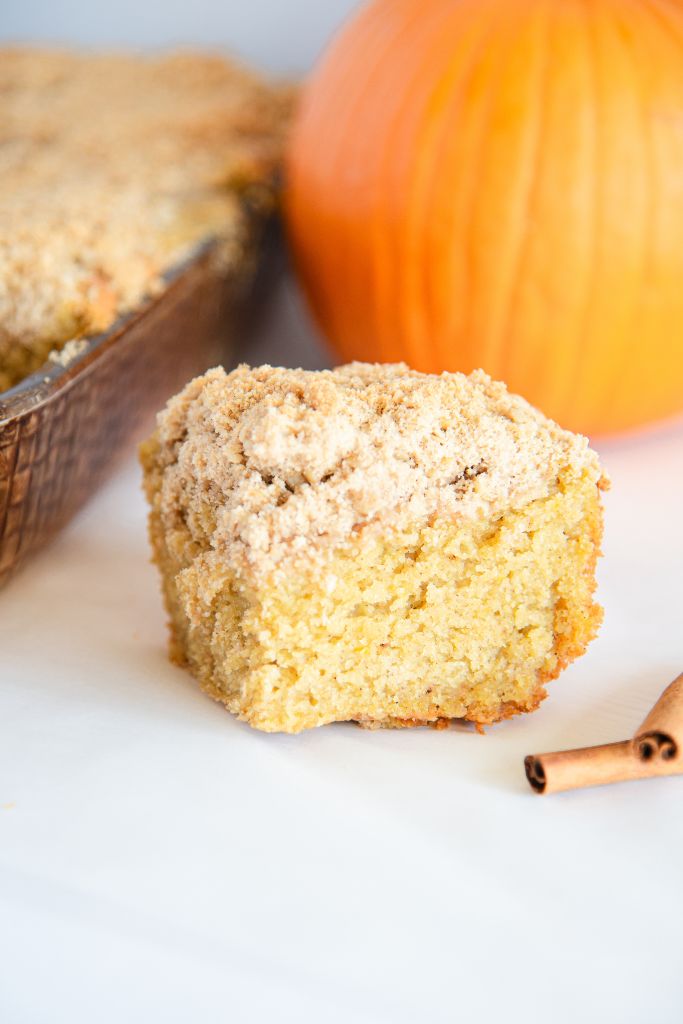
(371, 544)
(112, 168)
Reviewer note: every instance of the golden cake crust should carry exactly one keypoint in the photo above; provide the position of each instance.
(112, 167)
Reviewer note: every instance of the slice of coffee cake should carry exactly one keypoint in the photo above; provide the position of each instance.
(371, 544)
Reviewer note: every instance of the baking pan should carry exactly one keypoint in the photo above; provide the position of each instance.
(63, 426)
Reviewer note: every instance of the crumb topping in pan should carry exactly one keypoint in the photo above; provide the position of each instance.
(112, 168)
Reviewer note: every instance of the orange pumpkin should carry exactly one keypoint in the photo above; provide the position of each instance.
(499, 183)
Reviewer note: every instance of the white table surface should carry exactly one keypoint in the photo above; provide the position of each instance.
(161, 862)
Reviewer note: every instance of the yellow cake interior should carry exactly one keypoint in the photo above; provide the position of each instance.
(446, 620)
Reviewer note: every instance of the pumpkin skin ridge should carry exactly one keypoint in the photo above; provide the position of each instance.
(671, 36)
(322, 308)
(590, 331)
(325, 310)
(420, 225)
(469, 204)
(494, 352)
(319, 308)
(632, 370)
(364, 301)
(597, 390)
(478, 128)
(400, 29)
(441, 342)
(382, 256)
(548, 347)
(610, 398)
(564, 390)
(671, 26)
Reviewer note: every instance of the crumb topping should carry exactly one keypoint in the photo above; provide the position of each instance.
(274, 466)
(70, 351)
(112, 167)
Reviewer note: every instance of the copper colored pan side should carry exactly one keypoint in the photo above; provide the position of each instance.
(61, 428)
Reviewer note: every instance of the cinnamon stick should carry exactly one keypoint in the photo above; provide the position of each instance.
(589, 766)
(655, 750)
(660, 737)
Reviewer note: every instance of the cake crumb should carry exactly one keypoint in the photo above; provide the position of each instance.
(69, 352)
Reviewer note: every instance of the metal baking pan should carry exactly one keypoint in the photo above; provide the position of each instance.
(63, 426)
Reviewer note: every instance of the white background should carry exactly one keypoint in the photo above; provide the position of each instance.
(161, 862)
